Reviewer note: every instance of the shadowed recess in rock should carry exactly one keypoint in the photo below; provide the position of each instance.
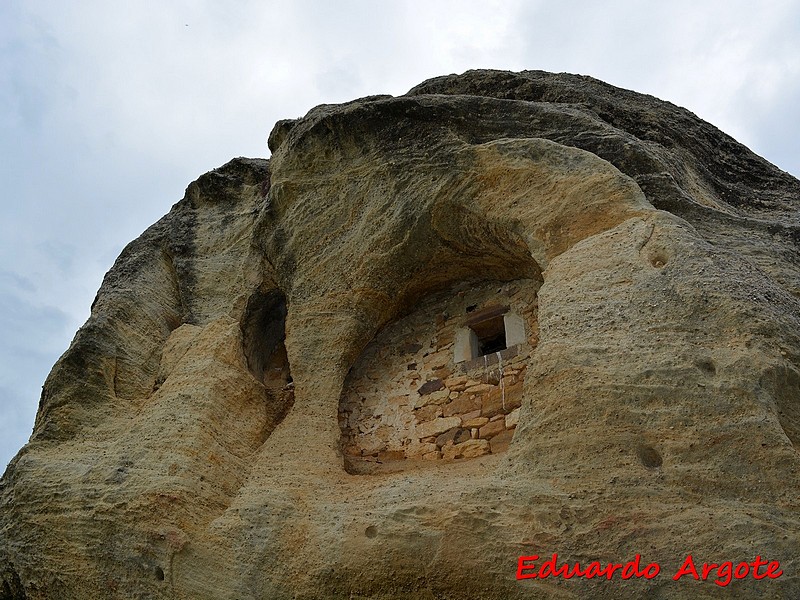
(424, 389)
(263, 327)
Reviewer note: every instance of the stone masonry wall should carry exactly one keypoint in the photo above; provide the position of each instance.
(407, 398)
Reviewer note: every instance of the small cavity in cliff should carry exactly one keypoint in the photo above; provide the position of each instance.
(263, 334)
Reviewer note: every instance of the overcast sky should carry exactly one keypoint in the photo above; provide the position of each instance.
(109, 109)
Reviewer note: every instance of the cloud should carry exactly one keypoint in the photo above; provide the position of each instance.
(731, 63)
(33, 339)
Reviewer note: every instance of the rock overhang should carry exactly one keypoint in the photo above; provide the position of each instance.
(660, 391)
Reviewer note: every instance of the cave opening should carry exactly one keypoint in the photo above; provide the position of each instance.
(444, 381)
(263, 340)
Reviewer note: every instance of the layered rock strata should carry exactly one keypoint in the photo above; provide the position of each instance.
(199, 438)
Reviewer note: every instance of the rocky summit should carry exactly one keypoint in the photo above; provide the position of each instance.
(510, 335)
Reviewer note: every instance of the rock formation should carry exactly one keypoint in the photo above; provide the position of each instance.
(504, 315)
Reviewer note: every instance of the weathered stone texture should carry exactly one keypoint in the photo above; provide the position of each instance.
(241, 417)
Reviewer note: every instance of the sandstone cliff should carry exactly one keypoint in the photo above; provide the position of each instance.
(505, 314)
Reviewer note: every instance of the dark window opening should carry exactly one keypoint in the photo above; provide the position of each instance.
(491, 335)
(492, 345)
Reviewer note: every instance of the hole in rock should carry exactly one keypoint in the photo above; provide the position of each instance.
(443, 382)
(12, 585)
(159, 573)
(263, 334)
(371, 531)
(658, 261)
(649, 457)
(707, 366)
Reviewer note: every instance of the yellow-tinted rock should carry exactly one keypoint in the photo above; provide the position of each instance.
(512, 419)
(475, 422)
(501, 401)
(189, 443)
(500, 442)
(491, 429)
(436, 426)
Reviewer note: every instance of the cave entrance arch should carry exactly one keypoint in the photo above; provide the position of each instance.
(410, 398)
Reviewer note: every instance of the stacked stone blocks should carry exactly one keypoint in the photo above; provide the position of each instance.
(408, 398)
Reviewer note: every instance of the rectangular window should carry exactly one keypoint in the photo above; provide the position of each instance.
(488, 331)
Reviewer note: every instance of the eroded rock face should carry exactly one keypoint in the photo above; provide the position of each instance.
(198, 438)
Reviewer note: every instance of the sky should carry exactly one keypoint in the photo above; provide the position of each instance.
(109, 109)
